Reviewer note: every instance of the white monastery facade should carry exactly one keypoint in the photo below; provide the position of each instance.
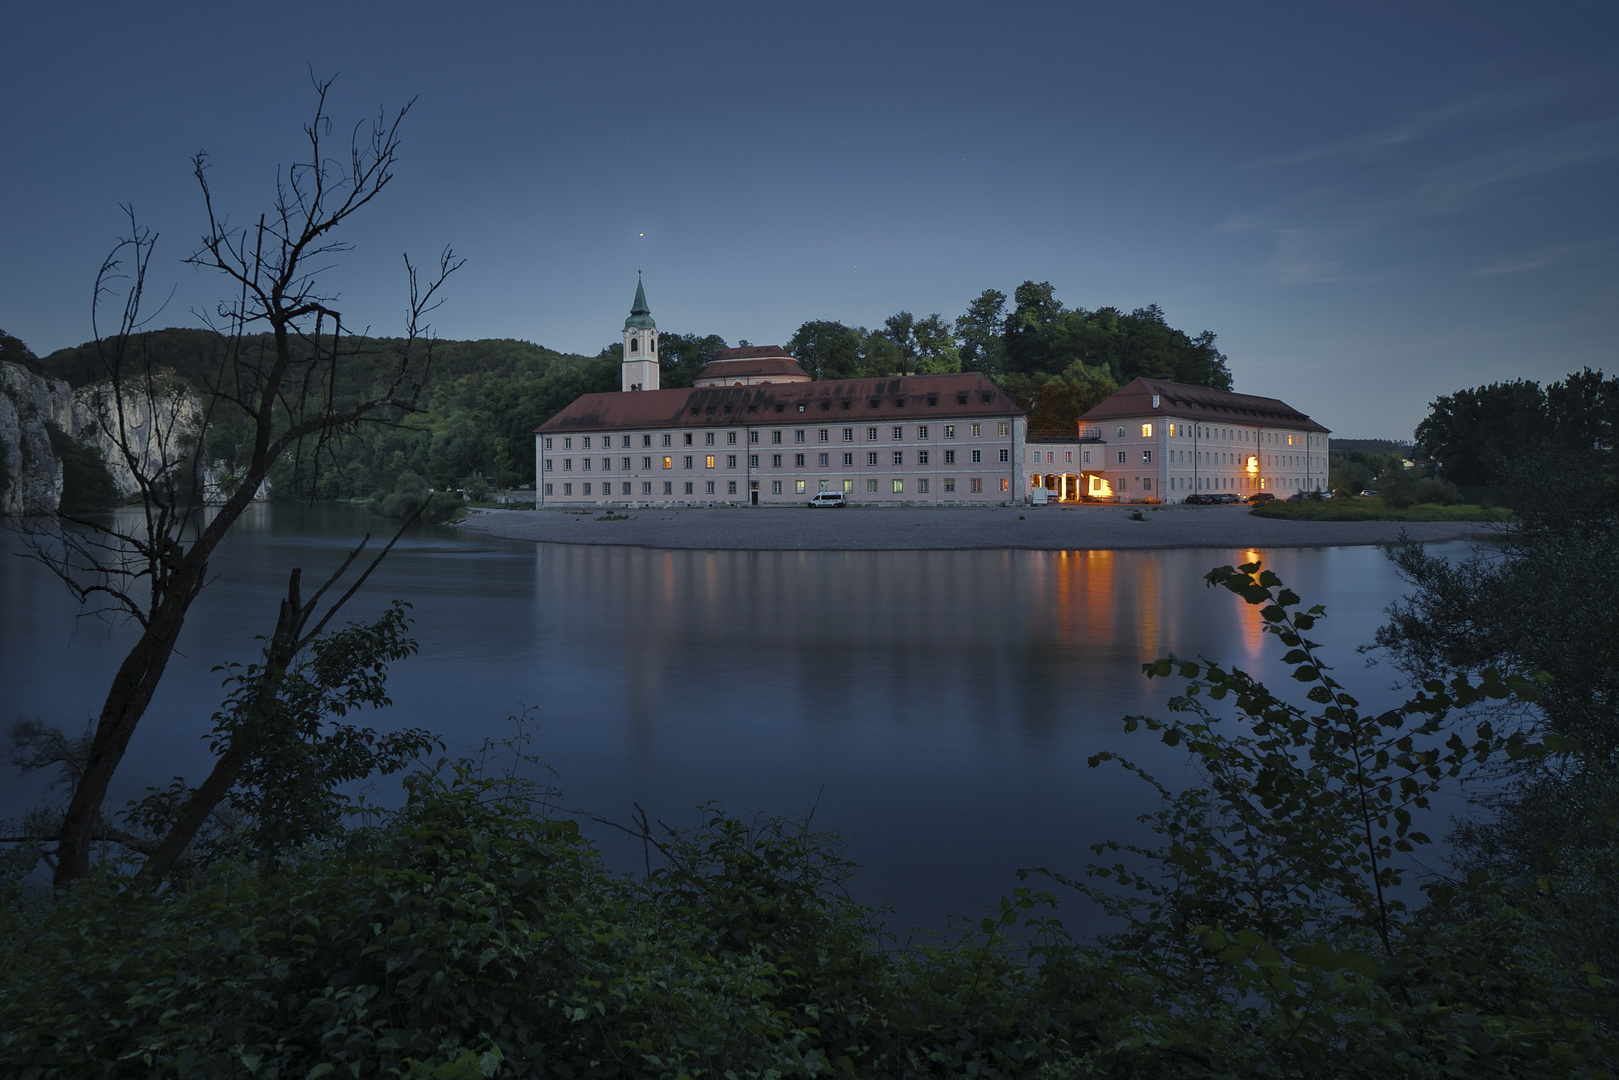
(756, 430)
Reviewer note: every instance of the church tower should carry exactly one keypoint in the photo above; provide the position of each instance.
(640, 345)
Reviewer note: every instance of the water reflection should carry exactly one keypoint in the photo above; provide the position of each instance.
(940, 705)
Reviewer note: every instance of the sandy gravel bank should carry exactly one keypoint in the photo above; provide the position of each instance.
(886, 529)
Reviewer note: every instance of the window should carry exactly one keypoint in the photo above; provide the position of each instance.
(1003, 428)
(848, 487)
(899, 487)
(950, 431)
(871, 487)
(922, 459)
(961, 399)
(1146, 456)
(1146, 431)
(775, 487)
(871, 434)
(587, 447)
(922, 429)
(798, 436)
(550, 489)
(626, 441)
(666, 438)
(646, 487)
(753, 437)
(848, 460)
(607, 464)
(548, 464)
(567, 464)
(899, 433)
(1084, 457)
(848, 434)
(626, 487)
(688, 461)
(688, 437)
(1005, 454)
(548, 442)
(730, 438)
(978, 456)
(1146, 483)
(587, 489)
(730, 487)
(708, 462)
(688, 487)
(871, 458)
(949, 484)
(668, 487)
(730, 461)
(1121, 457)
(646, 440)
(949, 457)
(922, 487)
(708, 438)
(584, 464)
(775, 437)
(978, 429)
(798, 487)
(798, 461)
(822, 462)
(1068, 456)
(775, 461)
(899, 457)
(567, 489)
(646, 463)
(567, 443)
(753, 461)
(668, 462)
(1121, 431)
(976, 484)
(1005, 484)
(1172, 430)
(626, 465)
(709, 486)
(825, 435)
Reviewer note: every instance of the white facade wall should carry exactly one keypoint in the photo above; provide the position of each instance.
(977, 460)
(1167, 458)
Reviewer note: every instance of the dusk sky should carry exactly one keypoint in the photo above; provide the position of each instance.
(1370, 206)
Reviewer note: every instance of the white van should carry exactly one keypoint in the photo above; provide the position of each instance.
(1038, 497)
(828, 498)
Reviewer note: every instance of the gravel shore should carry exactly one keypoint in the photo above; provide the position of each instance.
(1048, 528)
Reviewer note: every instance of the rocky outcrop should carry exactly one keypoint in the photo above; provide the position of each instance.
(157, 427)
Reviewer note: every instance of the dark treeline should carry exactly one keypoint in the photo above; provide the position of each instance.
(483, 399)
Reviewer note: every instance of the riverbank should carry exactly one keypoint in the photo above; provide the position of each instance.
(1089, 527)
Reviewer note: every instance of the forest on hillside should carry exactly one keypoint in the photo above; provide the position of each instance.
(483, 399)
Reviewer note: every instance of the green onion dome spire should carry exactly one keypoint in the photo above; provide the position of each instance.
(640, 315)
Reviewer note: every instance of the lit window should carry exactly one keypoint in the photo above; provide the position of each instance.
(848, 487)
(950, 431)
(1006, 484)
(976, 484)
(798, 487)
(871, 487)
(1171, 431)
(899, 486)
(1146, 431)
(668, 462)
(708, 462)
(1146, 456)
(1003, 428)
(978, 429)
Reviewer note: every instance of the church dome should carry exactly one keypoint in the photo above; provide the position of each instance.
(751, 365)
(640, 315)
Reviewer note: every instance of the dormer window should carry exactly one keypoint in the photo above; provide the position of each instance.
(961, 399)
(933, 399)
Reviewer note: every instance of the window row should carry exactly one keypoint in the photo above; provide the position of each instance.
(896, 433)
(800, 461)
(922, 486)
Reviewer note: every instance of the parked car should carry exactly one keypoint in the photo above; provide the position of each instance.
(828, 498)
(1259, 497)
(1226, 498)
(1199, 499)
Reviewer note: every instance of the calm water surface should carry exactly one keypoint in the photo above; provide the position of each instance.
(939, 707)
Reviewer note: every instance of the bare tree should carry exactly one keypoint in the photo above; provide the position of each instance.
(284, 343)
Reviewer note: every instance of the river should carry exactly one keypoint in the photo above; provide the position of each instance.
(937, 708)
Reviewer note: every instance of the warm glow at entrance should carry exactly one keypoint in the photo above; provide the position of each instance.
(1097, 487)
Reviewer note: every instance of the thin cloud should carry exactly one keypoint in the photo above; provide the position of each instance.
(1299, 260)
(1463, 183)
(1543, 258)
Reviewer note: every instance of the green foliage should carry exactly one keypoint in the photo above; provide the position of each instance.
(1375, 508)
(86, 483)
(1480, 436)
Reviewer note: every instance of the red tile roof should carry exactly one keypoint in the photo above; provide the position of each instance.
(968, 395)
(1134, 400)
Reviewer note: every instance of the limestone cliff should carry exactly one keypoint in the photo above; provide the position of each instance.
(158, 428)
